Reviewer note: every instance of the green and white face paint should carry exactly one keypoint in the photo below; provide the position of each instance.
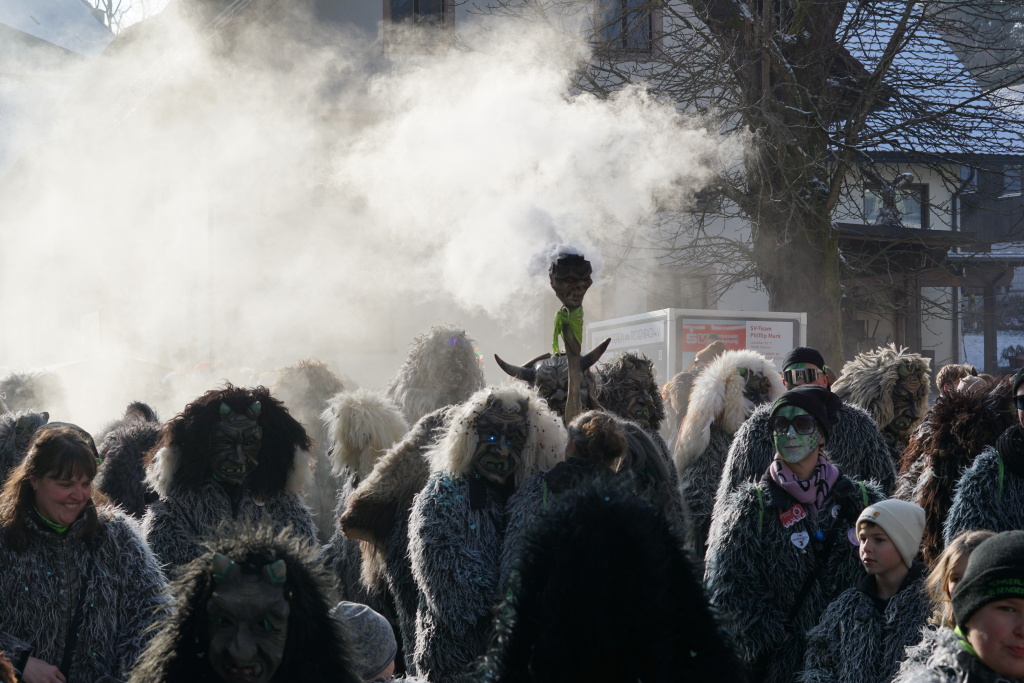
(790, 444)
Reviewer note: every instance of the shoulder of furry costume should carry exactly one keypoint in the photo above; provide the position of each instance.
(938, 658)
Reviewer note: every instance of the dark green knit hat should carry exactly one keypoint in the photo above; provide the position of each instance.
(995, 571)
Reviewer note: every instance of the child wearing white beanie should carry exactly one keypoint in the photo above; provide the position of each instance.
(862, 635)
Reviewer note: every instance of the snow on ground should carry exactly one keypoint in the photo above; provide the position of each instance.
(974, 346)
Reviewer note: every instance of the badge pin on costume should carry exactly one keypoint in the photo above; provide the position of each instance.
(800, 539)
(851, 535)
(792, 515)
(835, 512)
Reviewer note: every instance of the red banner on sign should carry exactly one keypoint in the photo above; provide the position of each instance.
(698, 335)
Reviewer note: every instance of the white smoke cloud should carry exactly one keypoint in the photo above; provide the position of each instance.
(213, 199)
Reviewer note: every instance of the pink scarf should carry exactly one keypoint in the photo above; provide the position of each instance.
(811, 493)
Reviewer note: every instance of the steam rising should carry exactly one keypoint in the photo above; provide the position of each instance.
(252, 196)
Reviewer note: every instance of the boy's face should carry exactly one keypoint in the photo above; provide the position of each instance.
(877, 552)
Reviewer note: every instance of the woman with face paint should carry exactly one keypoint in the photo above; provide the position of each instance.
(79, 587)
(783, 548)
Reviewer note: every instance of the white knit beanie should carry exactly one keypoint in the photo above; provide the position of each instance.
(901, 521)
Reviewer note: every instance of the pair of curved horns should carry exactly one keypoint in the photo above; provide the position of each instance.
(528, 373)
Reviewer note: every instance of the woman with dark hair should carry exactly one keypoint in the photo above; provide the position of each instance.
(79, 587)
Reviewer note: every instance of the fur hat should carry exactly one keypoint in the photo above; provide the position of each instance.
(901, 521)
(869, 379)
(717, 398)
(995, 571)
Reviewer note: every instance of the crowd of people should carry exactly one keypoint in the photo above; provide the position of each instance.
(801, 526)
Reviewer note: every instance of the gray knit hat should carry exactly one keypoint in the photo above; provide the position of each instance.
(370, 636)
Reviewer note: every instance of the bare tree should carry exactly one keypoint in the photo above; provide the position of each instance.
(119, 14)
(828, 96)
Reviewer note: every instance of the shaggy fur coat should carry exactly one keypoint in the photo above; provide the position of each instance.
(123, 591)
(855, 446)
(717, 409)
(377, 516)
(122, 474)
(987, 497)
(939, 658)
(605, 592)
(10, 435)
(960, 425)
(856, 642)
(458, 533)
(756, 567)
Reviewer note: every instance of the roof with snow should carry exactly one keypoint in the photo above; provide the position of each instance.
(937, 107)
(69, 24)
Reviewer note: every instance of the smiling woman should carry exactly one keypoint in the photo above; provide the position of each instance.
(79, 586)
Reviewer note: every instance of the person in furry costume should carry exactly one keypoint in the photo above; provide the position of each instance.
(774, 563)
(627, 387)
(855, 446)
(441, 369)
(496, 440)
(377, 516)
(723, 396)
(676, 392)
(960, 425)
(79, 586)
(122, 475)
(605, 592)
(16, 432)
(306, 388)
(33, 391)
(137, 411)
(287, 595)
(233, 454)
(862, 636)
(362, 426)
(990, 493)
(892, 385)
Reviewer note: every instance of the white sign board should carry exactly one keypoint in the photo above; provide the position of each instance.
(632, 336)
(772, 338)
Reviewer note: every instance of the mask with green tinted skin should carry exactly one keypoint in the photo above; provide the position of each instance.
(793, 447)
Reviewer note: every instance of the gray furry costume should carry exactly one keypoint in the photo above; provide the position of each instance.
(192, 505)
(939, 658)
(717, 409)
(871, 377)
(856, 642)
(33, 391)
(855, 446)
(122, 475)
(16, 430)
(441, 369)
(377, 516)
(627, 388)
(361, 427)
(990, 496)
(756, 568)
(317, 647)
(960, 425)
(605, 592)
(306, 388)
(121, 591)
(458, 530)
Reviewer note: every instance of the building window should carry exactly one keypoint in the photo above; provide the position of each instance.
(629, 26)
(911, 202)
(968, 180)
(1011, 178)
(418, 11)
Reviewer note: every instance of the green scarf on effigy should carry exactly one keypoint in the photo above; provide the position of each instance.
(575, 320)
